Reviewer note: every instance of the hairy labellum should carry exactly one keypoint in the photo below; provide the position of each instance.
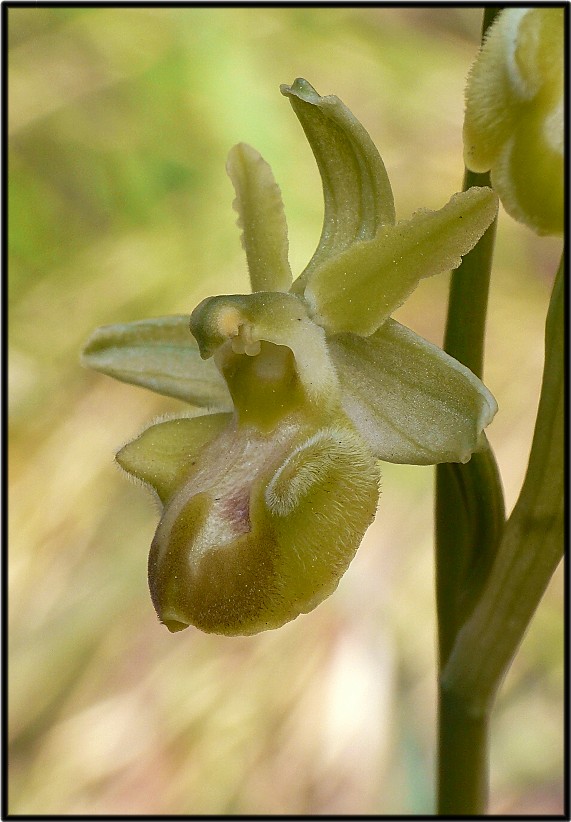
(262, 527)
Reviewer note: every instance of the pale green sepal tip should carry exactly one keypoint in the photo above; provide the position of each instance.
(410, 401)
(356, 189)
(165, 453)
(302, 89)
(159, 354)
(360, 288)
(262, 220)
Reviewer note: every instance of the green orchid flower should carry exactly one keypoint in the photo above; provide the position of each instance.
(514, 115)
(299, 389)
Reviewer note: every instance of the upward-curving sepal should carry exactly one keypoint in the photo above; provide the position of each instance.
(356, 189)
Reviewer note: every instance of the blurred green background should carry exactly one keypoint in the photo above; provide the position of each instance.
(120, 120)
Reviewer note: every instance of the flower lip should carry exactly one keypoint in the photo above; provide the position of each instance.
(174, 625)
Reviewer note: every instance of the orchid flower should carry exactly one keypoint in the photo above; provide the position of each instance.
(514, 114)
(298, 389)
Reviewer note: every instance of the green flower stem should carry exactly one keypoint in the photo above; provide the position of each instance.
(463, 772)
(469, 517)
(469, 522)
(468, 302)
(469, 497)
(530, 550)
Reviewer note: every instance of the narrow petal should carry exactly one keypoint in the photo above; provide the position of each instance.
(160, 354)
(164, 454)
(360, 288)
(261, 218)
(356, 189)
(410, 401)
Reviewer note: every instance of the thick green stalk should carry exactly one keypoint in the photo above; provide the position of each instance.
(529, 552)
(469, 518)
(531, 548)
(469, 499)
(469, 522)
(463, 772)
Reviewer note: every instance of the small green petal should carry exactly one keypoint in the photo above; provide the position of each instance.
(409, 400)
(261, 218)
(160, 354)
(164, 454)
(360, 288)
(356, 189)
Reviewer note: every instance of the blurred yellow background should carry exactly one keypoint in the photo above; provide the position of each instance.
(120, 120)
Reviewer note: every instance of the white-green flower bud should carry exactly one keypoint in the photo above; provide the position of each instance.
(514, 114)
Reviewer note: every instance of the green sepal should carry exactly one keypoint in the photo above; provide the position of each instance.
(360, 288)
(410, 401)
(356, 189)
(261, 218)
(159, 354)
(165, 453)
